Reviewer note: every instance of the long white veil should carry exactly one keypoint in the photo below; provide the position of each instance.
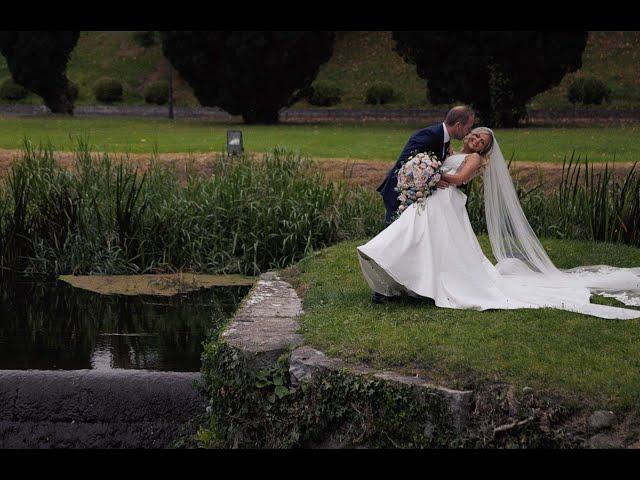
(520, 255)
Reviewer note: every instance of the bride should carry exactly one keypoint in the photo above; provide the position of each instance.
(433, 252)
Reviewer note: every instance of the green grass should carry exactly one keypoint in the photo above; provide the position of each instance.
(363, 58)
(612, 57)
(582, 357)
(114, 54)
(375, 141)
(359, 59)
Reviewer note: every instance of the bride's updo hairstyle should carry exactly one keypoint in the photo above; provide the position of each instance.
(486, 152)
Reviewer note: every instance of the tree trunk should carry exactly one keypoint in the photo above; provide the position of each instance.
(261, 116)
(59, 103)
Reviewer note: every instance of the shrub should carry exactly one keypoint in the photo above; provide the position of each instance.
(145, 39)
(10, 90)
(380, 93)
(588, 91)
(325, 94)
(108, 90)
(157, 92)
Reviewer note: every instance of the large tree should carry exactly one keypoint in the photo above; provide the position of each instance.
(38, 61)
(497, 72)
(248, 73)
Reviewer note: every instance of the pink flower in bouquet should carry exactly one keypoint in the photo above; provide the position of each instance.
(417, 179)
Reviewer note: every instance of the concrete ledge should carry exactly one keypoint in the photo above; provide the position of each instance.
(42, 435)
(90, 408)
(265, 327)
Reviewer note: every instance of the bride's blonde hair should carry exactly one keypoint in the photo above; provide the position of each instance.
(485, 154)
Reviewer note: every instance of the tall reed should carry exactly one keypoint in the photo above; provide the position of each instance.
(252, 214)
(104, 216)
(589, 203)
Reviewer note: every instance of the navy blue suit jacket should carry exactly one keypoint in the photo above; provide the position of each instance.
(427, 139)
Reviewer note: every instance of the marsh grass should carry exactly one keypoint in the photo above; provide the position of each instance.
(589, 204)
(104, 216)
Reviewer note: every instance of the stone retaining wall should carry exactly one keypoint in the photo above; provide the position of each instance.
(265, 327)
(265, 331)
(557, 115)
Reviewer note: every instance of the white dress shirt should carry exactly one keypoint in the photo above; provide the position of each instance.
(447, 138)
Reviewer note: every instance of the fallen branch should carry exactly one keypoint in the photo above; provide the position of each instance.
(510, 426)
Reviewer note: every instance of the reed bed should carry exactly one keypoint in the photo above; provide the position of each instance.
(105, 217)
(589, 204)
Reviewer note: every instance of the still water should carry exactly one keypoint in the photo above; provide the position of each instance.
(52, 326)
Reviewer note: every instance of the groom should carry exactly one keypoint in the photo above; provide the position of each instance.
(436, 138)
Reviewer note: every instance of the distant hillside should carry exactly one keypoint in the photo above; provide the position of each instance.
(359, 59)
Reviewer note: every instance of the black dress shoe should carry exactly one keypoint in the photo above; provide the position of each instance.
(379, 298)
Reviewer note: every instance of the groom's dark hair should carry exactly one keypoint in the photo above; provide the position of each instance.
(461, 114)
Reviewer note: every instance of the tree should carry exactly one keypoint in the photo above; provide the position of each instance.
(496, 72)
(38, 61)
(248, 73)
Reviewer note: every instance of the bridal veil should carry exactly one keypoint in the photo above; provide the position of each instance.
(520, 255)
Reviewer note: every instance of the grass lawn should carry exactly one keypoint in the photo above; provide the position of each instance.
(581, 357)
(369, 141)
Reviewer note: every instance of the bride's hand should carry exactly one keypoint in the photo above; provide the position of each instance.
(442, 184)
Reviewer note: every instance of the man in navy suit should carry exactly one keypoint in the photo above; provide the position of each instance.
(435, 138)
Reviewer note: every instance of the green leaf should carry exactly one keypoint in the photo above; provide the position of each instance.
(281, 391)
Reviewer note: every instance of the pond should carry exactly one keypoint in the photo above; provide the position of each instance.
(54, 326)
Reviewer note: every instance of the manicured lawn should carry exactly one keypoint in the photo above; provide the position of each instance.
(372, 141)
(578, 356)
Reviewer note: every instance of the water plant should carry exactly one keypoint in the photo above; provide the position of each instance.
(103, 215)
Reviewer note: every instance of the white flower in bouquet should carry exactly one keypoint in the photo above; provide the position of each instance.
(417, 179)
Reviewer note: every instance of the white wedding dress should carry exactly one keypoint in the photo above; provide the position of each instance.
(432, 251)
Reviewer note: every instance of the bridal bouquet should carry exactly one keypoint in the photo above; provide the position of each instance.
(417, 179)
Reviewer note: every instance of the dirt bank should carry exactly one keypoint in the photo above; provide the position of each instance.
(368, 173)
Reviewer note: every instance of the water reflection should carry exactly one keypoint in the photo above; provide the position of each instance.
(49, 326)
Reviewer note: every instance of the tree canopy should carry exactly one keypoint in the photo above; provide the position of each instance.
(38, 61)
(248, 73)
(496, 72)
